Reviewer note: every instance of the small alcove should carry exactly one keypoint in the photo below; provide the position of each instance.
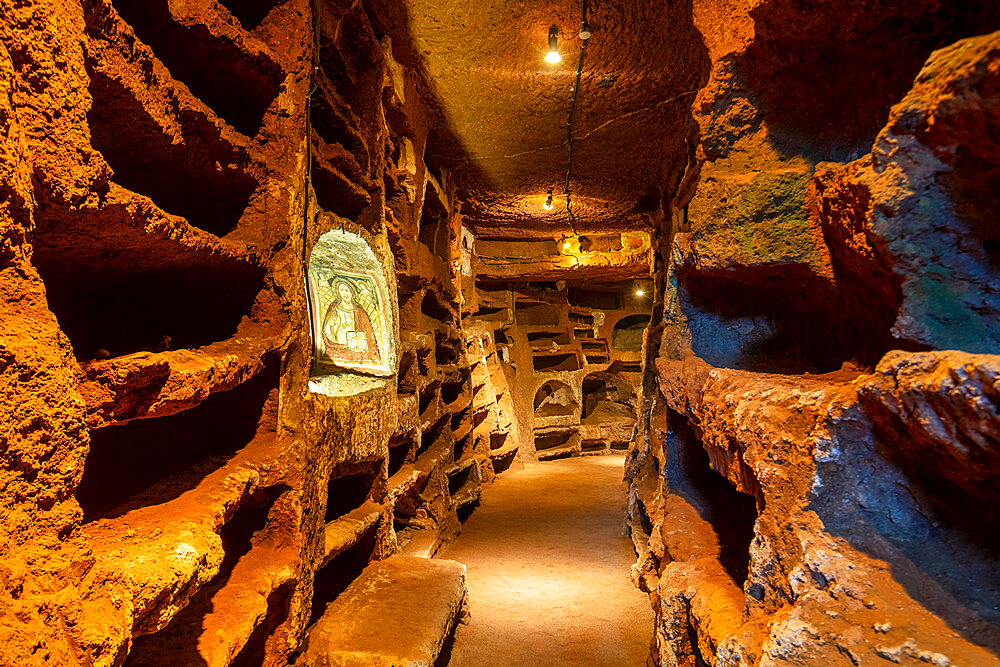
(554, 399)
(606, 398)
(353, 324)
(628, 333)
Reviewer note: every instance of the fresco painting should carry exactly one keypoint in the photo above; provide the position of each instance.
(349, 321)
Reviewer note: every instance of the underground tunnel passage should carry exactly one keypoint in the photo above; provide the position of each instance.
(449, 333)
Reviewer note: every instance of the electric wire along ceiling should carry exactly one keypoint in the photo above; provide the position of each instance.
(553, 57)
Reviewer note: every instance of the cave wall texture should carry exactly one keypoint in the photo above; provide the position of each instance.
(817, 478)
(811, 415)
(173, 492)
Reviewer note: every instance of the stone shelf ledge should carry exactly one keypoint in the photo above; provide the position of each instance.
(420, 542)
(117, 48)
(335, 155)
(546, 454)
(404, 480)
(483, 407)
(131, 222)
(344, 532)
(465, 426)
(554, 422)
(432, 415)
(399, 611)
(259, 586)
(616, 431)
(459, 404)
(460, 465)
(436, 454)
(241, 606)
(347, 123)
(164, 553)
(244, 64)
(470, 493)
(335, 176)
(504, 451)
(157, 384)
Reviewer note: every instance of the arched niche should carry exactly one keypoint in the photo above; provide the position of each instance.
(351, 316)
(628, 331)
(606, 398)
(555, 399)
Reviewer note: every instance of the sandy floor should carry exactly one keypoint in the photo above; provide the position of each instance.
(548, 571)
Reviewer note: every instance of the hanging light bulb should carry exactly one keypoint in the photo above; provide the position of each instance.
(639, 291)
(553, 55)
(548, 205)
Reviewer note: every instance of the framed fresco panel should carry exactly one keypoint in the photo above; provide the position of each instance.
(351, 328)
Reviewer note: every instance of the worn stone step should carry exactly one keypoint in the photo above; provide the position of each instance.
(398, 612)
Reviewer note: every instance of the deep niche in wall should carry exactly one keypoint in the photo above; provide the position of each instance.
(606, 398)
(628, 333)
(352, 324)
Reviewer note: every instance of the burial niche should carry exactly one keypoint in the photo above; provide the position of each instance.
(352, 322)
(555, 399)
(606, 398)
(627, 334)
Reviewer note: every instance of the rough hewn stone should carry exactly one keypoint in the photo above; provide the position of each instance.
(913, 217)
(398, 612)
(812, 412)
(785, 516)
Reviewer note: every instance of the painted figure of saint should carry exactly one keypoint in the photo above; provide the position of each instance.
(347, 329)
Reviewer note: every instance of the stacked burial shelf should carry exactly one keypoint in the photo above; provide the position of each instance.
(346, 112)
(553, 355)
(448, 440)
(180, 381)
(348, 151)
(195, 477)
(455, 431)
(351, 529)
(492, 402)
(181, 374)
(433, 475)
(567, 345)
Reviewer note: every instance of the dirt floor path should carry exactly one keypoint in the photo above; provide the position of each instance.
(548, 571)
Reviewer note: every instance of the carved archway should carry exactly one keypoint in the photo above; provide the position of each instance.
(628, 332)
(607, 397)
(554, 399)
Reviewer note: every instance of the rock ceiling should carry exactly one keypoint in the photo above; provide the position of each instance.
(504, 110)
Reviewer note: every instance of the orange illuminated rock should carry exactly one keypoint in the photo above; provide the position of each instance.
(398, 612)
(911, 223)
(813, 453)
(805, 492)
(829, 517)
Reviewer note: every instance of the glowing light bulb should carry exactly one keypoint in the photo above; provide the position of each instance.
(548, 205)
(640, 292)
(553, 55)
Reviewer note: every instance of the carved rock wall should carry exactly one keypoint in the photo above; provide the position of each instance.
(808, 483)
(173, 492)
(143, 249)
(570, 356)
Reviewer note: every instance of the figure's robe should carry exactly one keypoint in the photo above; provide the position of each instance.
(337, 350)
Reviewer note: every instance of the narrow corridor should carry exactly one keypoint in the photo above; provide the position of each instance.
(548, 571)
